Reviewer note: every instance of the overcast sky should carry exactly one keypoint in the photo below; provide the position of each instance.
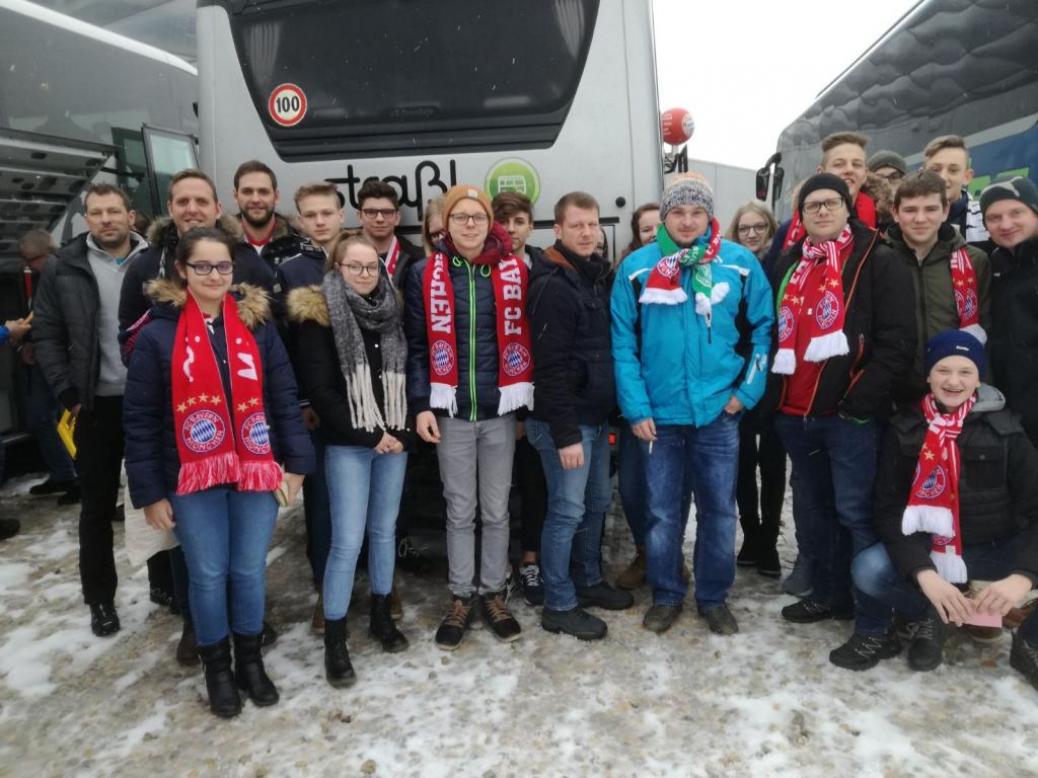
(745, 69)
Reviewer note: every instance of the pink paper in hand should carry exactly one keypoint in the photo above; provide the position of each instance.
(984, 619)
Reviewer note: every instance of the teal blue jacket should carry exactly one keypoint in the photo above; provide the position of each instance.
(670, 365)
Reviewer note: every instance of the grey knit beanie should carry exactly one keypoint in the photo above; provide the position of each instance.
(687, 190)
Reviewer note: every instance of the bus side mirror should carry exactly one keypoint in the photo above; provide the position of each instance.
(763, 179)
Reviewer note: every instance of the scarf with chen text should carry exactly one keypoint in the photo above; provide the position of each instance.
(220, 440)
(664, 284)
(967, 301)
(826, 323)
(933, 503)
(508, 274)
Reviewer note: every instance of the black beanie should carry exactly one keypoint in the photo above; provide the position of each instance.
(1016, 188)
(824, 181)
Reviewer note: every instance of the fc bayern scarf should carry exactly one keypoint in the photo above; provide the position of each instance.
(508, 275)
(221, 440)
(826, 323)
(964, 284)
(664, 284)
(933, 503)
(864, 211)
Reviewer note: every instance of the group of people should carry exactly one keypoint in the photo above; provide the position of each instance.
(233, 361)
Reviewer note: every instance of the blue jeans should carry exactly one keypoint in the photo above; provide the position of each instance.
(875, 575)
(42, 414)
(835, 464)
(225, 535)
(571, 542)
(364, 491)
(317, 514)
(630, 481)
(710, 457)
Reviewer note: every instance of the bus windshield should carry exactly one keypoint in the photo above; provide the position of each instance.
(474, 76)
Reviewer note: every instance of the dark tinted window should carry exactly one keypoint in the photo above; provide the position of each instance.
(382, 76)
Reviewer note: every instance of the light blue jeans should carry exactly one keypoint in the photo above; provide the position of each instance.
(364, 491)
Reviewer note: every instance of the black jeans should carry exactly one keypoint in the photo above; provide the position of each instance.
(760, 527)
(533, 492)
(99, 454)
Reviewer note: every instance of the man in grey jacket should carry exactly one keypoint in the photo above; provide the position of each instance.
(76, 330)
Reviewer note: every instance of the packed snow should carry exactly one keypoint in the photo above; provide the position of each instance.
(765, 702)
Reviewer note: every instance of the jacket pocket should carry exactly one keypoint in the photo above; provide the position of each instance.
(984, 467)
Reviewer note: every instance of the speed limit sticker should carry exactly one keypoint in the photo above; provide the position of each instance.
(287, 105)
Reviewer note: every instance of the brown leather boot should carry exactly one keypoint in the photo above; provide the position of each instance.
(317, 620)
(634, 575)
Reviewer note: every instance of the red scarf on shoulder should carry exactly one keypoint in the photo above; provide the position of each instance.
(220, 440)
(508, 274)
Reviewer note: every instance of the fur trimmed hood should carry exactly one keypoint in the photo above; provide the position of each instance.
(162, 232)
(307, 303)
(253, 302)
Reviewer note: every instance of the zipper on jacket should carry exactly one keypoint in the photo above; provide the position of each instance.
(473, 412)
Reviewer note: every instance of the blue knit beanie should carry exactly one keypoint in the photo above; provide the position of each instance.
(955, 343)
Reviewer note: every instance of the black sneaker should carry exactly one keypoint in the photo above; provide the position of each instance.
(577, 622)
(410, 559)
(495, 613)
(160, 596)
(9, 528)
(602, 595)
(1023, 658)
(926, 647)
(459, 616)
(531, 583)
(809, 611)
(747, 556)
(50, 486)
(863, 652)
(104, 620)
(71, 497)
(719, 619)
(660, 618)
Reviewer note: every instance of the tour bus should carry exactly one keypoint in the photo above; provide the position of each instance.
(963, 67)
(78, 104)
(540, 97)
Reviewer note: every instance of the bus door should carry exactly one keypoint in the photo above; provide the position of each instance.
(166, 152)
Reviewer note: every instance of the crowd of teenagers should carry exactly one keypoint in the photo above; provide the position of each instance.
(884, 339)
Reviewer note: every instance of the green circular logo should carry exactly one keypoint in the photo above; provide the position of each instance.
(514, 175)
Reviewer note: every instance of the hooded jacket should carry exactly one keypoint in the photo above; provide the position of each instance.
(152, 458)
(998, 491)
(285, 242)
(157, 262)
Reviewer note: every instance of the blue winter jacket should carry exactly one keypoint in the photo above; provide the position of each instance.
(152, 460)
(670, 366)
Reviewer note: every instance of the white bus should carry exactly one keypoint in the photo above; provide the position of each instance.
(540, 96)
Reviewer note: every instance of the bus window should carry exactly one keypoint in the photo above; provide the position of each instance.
(167, 153)
(518, 71)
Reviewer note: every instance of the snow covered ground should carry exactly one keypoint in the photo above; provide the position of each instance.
(765, 702)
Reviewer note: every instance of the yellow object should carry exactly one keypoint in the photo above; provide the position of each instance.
(66, 430)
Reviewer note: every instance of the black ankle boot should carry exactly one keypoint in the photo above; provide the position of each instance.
(219, 681)
(383, 628)
(337, 666)
(249, 672)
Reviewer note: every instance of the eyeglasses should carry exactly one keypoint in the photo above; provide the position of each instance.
(464, 218)
(224, 268)
(829, 205)
(746, 229)
(374, 213)
(360, 270)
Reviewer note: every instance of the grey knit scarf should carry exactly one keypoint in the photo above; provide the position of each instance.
(349, 313)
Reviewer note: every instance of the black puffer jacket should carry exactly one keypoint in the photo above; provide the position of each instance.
(879, 323)
(998, 491)
(568, 310)
(1013, 338)
(64, 326)
(475, 313)
(157, 262)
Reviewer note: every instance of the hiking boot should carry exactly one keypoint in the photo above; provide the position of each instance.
(531, 583)
(269, 635)
(187, 647)
(1023, 658)
(660, 618)
(768, 563)
(161, 597)
(719, 619)
(926, 646)
(459, 616)
(249, 673)
(809, 611)
(338, 669)
(410, 559)
(9, 528)
(50, 486)
(70, 497)
(104, 620)
(604, 596)
(863, 652)
(634, 575)
(224, 700)
(317, 618)
(383, 628)
(497, 616)
(798, 582)
(576, 622)
(747, 556)
(983, 634)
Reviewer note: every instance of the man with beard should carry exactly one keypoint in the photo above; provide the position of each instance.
(257, 196)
